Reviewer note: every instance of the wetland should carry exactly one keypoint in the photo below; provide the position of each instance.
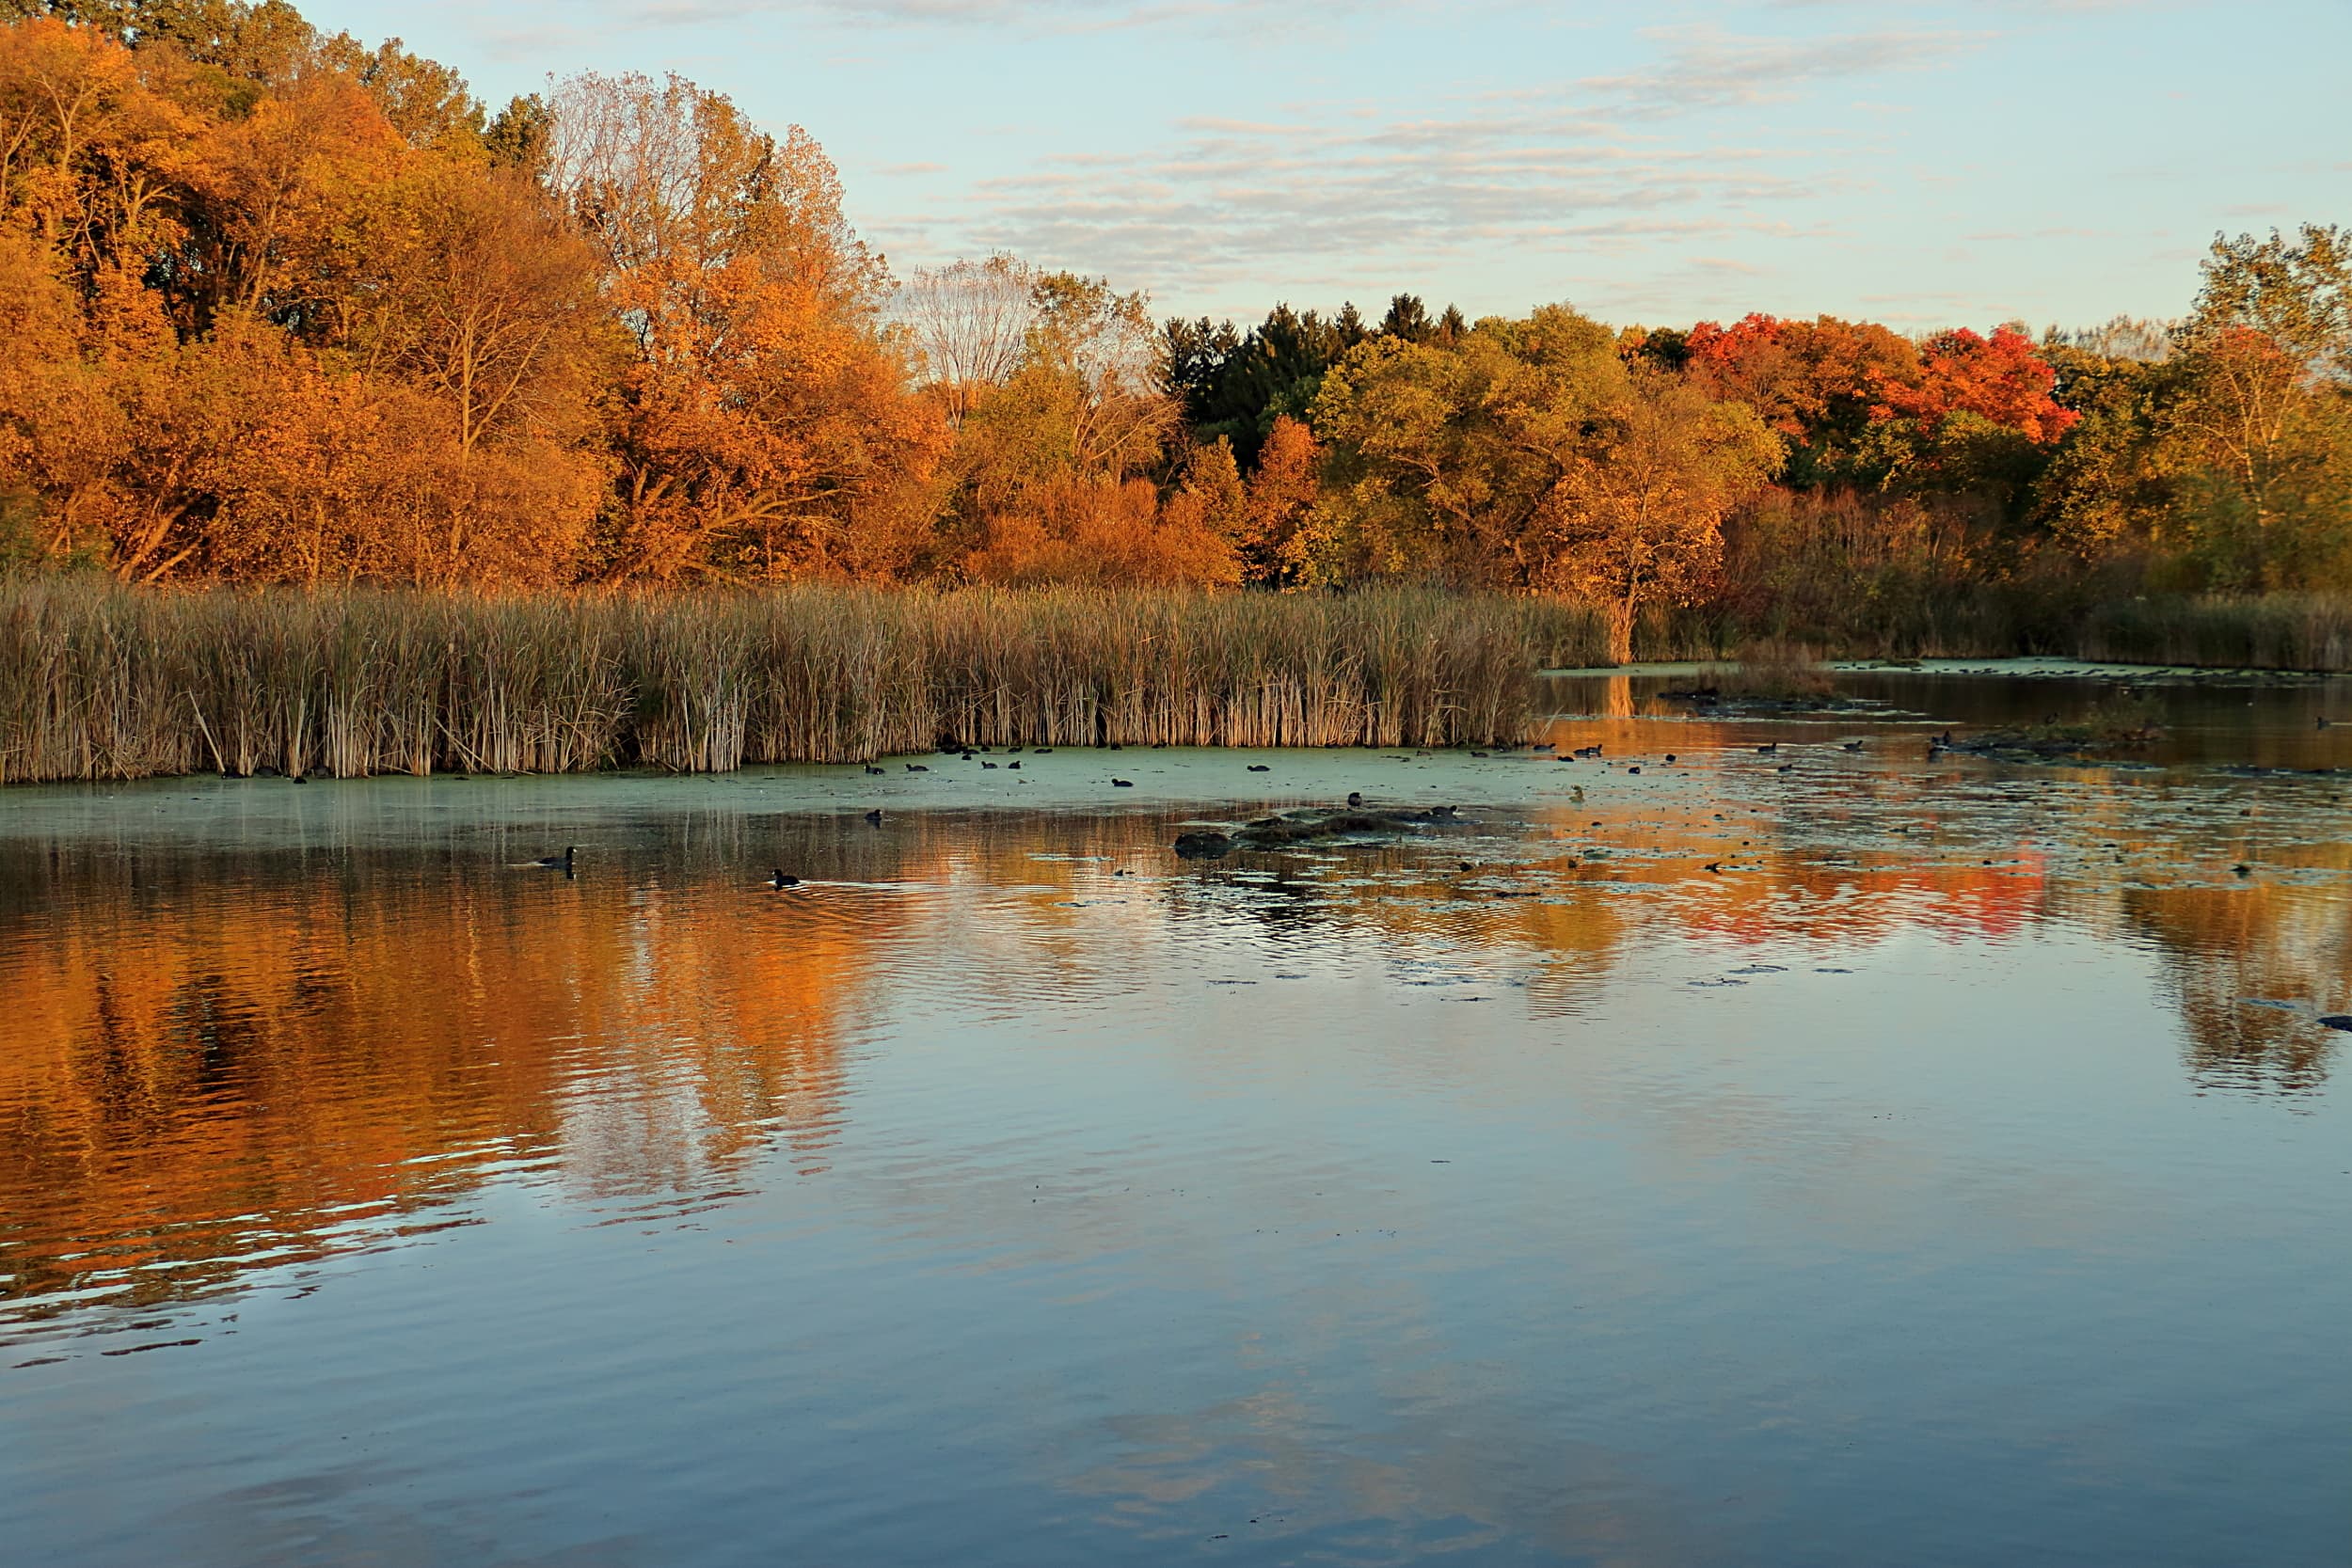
(1810, 1154)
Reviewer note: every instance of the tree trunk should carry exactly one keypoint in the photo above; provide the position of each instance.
(1621, 630)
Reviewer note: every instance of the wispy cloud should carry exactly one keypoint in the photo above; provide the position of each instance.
(1704, 68)
(1591, 167)
(1030, 17)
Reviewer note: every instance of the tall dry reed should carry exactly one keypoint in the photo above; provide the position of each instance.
(97, 681)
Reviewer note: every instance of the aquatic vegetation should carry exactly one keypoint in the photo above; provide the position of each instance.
(1774, 668)
(99, 681)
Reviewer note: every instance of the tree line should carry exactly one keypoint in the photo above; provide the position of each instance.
(282, 306)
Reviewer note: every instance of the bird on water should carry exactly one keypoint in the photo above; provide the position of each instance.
(874, 816)
(777, 880)
(558, 863)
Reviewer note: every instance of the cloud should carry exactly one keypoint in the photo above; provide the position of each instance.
(1706, 68)
(1594, 167)
(1032, 18)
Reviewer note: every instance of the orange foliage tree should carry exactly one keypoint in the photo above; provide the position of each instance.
(763, 427)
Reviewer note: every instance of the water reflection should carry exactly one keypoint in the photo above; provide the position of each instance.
(254, 1058)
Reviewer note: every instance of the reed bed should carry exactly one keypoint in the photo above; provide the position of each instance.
(2280, 631)
(101, 682)
(2283, 631)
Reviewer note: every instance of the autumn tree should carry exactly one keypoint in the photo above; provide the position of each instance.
(970, 322)
(1638, 519)
(1528, 453)
(1276, 537)
(2255, 429)
(765, 426)
(1440, 457)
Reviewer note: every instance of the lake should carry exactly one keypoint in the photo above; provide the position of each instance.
(1820, 1156)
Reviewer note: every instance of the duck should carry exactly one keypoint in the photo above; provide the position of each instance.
(557, 863)
(916, 768)
(1015, 766)
(1123, 784)
(1260, 768)
(1355, 796)
(778, 881)
(874, 772)
(874, 816)
(1670, 759)
(1768, 748)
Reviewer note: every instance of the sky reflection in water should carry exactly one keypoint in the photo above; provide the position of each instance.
(1957, 1175)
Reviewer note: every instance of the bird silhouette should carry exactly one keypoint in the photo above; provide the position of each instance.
(1768, 748)
(873, 771)
(1355, 797)
(916, 768)
(557, 863)
(1123, 784)
(1260, 768)
(874, 816)
(777, 880)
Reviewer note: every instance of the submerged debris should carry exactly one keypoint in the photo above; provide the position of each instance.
(1301, 827)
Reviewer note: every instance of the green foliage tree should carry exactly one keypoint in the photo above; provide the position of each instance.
(1529, 454)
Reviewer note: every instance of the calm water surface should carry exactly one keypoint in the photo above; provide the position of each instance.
(1958, 1173)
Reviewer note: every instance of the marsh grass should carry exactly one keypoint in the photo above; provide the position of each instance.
(2282, 631)
(1774, 669)
(100, 682)
(2061, 618)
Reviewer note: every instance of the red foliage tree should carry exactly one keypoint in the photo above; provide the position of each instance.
(2002, 379)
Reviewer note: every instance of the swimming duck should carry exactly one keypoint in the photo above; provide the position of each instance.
(557, 863)
(777, 880)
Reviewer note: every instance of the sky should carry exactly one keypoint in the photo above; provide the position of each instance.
(1924, 164)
